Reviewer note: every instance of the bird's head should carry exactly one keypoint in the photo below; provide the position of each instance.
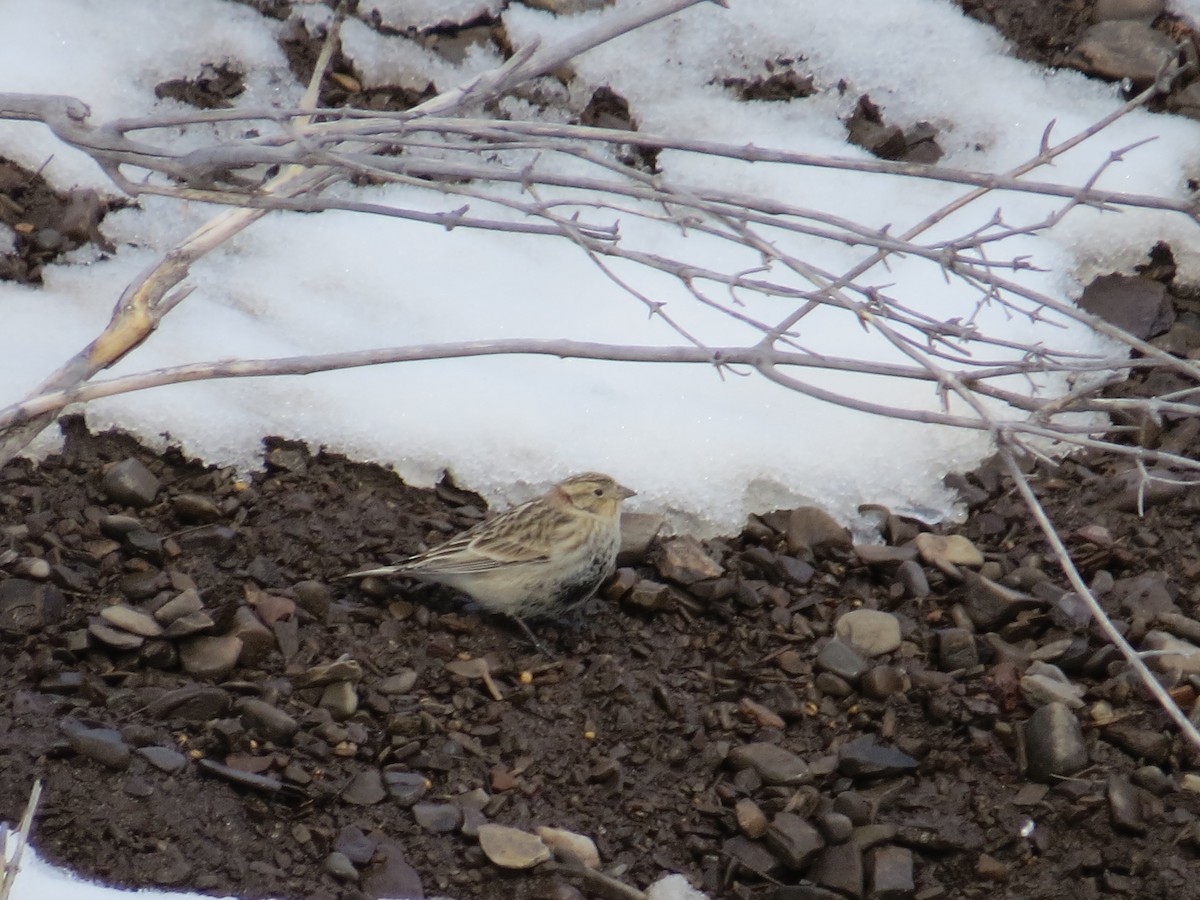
(594, 493)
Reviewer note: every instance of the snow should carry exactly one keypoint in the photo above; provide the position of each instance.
(705, 450)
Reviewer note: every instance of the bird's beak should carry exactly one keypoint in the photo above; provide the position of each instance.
(624, 492)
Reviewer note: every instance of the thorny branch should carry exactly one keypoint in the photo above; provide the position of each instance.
(510, 176)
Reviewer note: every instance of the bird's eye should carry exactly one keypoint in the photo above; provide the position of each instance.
(599, 492)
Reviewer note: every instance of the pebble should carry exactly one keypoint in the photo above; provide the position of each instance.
(869, 631)
(104, 745)
(751, 854)
(1153, 779)
(194, 509)
(1140, 740)
(341, 699)
(400, 683)
(751, 820)
(684, 561)
(1190, 782)
(794, 841)
(832, 686)
(190, 624)
(569, 847)
(842, 660)
(1043, 683)
(990, 605)
(390, 875)
(1129, 806)
(840, 869)
(31, 567)
(117, 638)
(881, 682)
(956, 650)
(163, 758)
(511, 848)
(987, 866)
(1053, 743)
(340, 867)
(258, 641)
(130, 483)
(341, 670)
(948, 551)
(773, 763)
(649, 595)
(209, 657)
(810, 528)
(358, 847)
(314, 598)
(913, 578)
(267, 721)
(881, 555)
(194, 703)
(638, 531)
(836, 827)
(862, 757)
(1122, 49)
(854, 806)
(178, 606)
(365, 789)
(891, 872)
(406, 788)
(132, 620)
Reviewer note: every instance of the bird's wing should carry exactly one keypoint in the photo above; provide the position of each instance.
(512, 538)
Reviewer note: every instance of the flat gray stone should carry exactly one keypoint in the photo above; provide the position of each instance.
(839, 868)
(1123, 49)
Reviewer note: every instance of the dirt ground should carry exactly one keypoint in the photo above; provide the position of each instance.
(211, 708)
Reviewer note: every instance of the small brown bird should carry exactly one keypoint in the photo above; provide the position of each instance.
(540, 558)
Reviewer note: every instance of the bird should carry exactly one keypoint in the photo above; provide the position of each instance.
(541, 558)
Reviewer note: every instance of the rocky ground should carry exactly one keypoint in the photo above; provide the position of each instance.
(778, 714)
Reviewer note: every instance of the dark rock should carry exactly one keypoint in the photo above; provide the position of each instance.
(1139, 740)
(1130, 806)
(391, 875)
(990, 605)
(269, 722)
(794, 841)
(890, 873)
(956, 650)
(912, 577)
(365, 789)
(209, 657)
(195, 703)
(773, 763)
(881, 682)
(809, 528)
(1054, 743)
(862, 757)
(193, 509)
(839, 868)
(163, 758)
(130, 483)
(842, 660)
(358, 847)
(836, 827)
(684, 561)
(104, 745)
(751, 854)
(440, 818)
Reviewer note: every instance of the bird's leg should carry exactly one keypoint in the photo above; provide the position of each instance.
(538, 645)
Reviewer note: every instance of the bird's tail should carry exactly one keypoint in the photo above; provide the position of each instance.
(381, 572)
